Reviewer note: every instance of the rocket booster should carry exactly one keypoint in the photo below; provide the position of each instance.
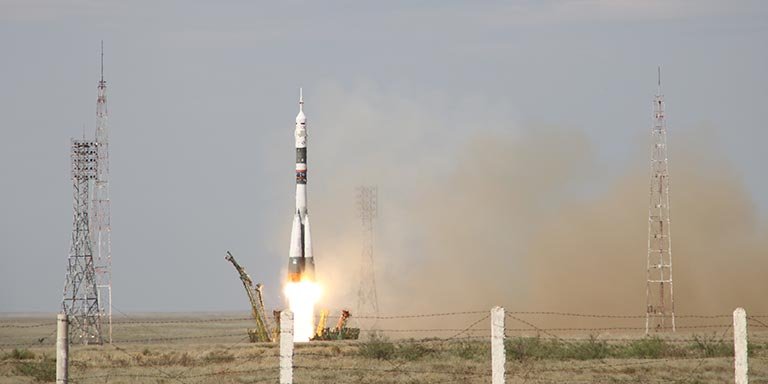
(301, 264)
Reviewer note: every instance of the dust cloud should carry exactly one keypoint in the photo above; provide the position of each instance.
(477, 212)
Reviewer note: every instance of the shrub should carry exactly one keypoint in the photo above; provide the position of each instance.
(42, 370)
(469, 350)
(412, 351)
(19, 354)
(218, 357)
(649, 348)
(711, 346)
(377, 347)
(588, 349)
(523, 348)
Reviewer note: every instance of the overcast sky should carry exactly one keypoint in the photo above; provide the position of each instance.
(202, 97)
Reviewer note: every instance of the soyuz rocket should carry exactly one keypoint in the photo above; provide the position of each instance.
(301, 265)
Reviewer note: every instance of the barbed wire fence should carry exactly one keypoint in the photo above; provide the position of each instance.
(449, 347)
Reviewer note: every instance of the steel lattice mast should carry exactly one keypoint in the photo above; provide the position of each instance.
(81, 299)
(367, 299)
(660, 303)
(101, 228)
(88, 285)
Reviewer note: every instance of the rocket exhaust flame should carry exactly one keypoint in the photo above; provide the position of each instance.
(302, 297)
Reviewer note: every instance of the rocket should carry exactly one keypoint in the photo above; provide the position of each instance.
(301, 265)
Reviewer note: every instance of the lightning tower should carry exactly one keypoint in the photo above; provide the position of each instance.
(367, 204)
(101, 229)
(87, 297)
(81, 298)
(660, 302)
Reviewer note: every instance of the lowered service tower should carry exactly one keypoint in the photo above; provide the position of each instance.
(301, 265)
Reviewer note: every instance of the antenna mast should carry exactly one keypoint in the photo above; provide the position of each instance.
(101, 222)
(660, 302)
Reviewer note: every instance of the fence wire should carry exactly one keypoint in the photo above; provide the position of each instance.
(444, 347)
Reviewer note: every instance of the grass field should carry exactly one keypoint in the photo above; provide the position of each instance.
(215, 349)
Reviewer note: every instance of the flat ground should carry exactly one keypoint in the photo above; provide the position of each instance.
(206, 348)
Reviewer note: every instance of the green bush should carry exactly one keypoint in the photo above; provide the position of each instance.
(523, 348)
(650, 348)
(711, 346)
(19, 354)
(42, 370)
(588, 349)
(377, 347)
(219, 357)
(412, 351)
(470, 350)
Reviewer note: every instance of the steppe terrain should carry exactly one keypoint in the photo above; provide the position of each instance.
(209, 348)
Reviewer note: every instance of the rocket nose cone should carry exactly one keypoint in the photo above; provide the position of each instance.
(301, 118)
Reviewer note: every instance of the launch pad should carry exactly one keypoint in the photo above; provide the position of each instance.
(264, 332)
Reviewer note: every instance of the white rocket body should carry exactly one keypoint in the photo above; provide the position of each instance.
(301, 264)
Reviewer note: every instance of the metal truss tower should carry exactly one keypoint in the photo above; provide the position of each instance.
(660, 302)
(367, 204)
(101, 229)
(88, 286)
(81, 298)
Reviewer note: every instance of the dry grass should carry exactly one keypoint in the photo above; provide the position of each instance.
(183, 353)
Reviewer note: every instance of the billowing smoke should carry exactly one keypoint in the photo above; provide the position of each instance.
(478, 211)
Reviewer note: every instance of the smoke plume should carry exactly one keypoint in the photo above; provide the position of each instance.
(477, 211)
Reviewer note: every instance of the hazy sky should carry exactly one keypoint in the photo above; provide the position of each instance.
(202, 97)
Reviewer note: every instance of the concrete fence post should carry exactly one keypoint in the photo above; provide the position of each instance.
(62, 349)
(286, 347)
(498, 354)
(740, 345)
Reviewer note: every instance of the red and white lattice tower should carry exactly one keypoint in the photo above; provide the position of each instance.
(101, 229)
(660, 302)
(87, 297)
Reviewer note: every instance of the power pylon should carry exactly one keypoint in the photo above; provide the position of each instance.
(660, 302)
(367, 204)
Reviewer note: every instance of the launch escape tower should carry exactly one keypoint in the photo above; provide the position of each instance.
(660, 302)
(88, 286)
(367, 204)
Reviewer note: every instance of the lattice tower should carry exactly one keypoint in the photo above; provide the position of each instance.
(101, 229)
(367, 299)
(81, 299)
(660, 303)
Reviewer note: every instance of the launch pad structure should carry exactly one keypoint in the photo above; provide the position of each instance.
(660, 299)
(87, 297)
